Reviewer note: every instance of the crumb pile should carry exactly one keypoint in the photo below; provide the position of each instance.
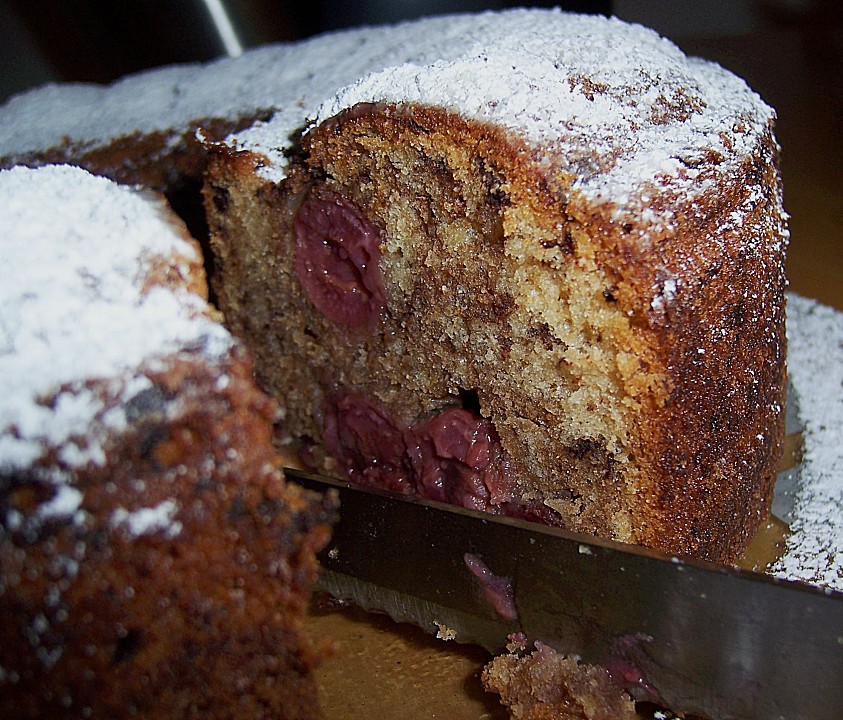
(545, 685)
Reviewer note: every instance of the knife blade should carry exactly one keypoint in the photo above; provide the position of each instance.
(695, 637)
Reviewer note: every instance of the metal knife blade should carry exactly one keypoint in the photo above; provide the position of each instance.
(699, 638)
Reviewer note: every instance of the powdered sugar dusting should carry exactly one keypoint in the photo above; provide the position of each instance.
(76, 251)
(66, 503)
(627, 106)
(149, 520)
(815, 360)
(169, 99)
(613, 104)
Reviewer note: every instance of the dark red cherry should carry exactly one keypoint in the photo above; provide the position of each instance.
(337, 261)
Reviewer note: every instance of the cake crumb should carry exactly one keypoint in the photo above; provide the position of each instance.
(547, 685)
(444, 632)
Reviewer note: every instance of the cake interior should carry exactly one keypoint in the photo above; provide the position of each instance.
(411, 257)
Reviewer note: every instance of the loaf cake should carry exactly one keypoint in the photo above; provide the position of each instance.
(153, 562)
(535, 270)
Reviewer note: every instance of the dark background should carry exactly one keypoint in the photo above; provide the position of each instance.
(790, 51)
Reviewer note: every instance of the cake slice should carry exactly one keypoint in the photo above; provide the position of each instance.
(537, 270)
(153, 562)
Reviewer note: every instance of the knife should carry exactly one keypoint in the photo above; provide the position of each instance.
(692, 636)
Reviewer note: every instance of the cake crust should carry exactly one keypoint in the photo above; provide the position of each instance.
(170, 591)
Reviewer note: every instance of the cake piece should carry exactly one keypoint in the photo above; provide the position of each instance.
(545, 685)
(536, 270)
(153, 562)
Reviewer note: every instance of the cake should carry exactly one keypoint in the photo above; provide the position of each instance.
(153, 562)
(564, 295)
(527, 262)
(536, 269)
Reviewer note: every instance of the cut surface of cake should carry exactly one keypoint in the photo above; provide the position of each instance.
(535, 268)
(153, 562)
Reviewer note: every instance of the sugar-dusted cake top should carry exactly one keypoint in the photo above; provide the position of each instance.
(626, 104)
(76, 256)
(291, 76)
(622, 103)
(611, 103)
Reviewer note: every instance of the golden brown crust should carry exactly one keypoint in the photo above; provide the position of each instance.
(715, 443)
(633, 370)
